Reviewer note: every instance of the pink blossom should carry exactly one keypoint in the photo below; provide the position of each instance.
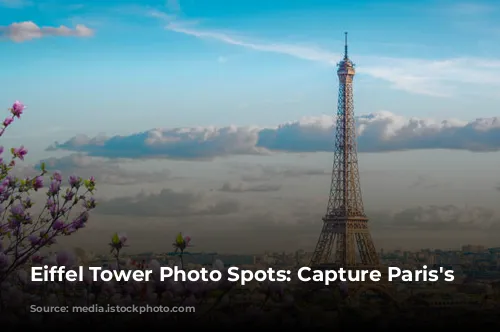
(38, 183)
(37, 259)
(123, 238)
(19, 152)
(8, 121)
(74, 181)
(55, 186)
(58, 225)
(17, 108)
(57, 176)
(65, 258)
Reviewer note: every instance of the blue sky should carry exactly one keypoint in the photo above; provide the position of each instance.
(122, 67)
(235, 87)
(173, 60)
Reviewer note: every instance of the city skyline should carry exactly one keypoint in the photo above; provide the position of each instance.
(242, 98)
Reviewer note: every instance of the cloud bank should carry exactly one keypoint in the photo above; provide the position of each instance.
(230, 187)
(436, 217)
(168, 204)
(377, 132)
(235, 225)
(28, 30)
(104, 170)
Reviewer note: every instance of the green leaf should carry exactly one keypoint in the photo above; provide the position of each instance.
(179, 240)
(115, 239)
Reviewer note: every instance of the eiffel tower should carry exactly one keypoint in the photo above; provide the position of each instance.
(345, 239)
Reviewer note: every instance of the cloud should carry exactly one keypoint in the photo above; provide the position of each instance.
(306, 53)
(470, 8)
(150, 223)
(438, 78)
(28, 30)
(433, 217)
(377, 132)
(189, 143)
(427, 182)
(267, 173)
(24, 171)
(168, 204)
(241, 187)
(234, 234)
(104, 170)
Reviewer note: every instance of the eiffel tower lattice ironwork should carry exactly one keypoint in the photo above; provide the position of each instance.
(345, 239)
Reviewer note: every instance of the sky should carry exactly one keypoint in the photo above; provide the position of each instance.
(216, 118)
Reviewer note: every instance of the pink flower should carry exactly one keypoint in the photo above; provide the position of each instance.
(37, 259)
(123, 238)
(8, 121)
(65, 258)
(17, 109)
(57, 176)
(34, 240)
(58, 225)
(181, 242)
(55, 186)
(19, 152)
(38, 183)
(74, 181)
(118, 242)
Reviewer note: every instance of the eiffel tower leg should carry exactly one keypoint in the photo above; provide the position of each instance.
(366, 249)
(340, 252)
(351, 249)
(322, 252)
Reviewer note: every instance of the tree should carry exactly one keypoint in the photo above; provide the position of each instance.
(65, 210)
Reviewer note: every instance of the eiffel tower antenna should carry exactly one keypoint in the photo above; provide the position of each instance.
(345, 47)
(345, 239)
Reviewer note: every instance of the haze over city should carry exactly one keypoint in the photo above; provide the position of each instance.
(216, 118)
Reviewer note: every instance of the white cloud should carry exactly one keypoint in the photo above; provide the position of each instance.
(28, 30)
(434, 77)
(471, 8)
(301, 52)
(377, 132)
(439, 78)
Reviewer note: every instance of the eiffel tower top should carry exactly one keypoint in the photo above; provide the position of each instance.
(346, 66)
(346, 57)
